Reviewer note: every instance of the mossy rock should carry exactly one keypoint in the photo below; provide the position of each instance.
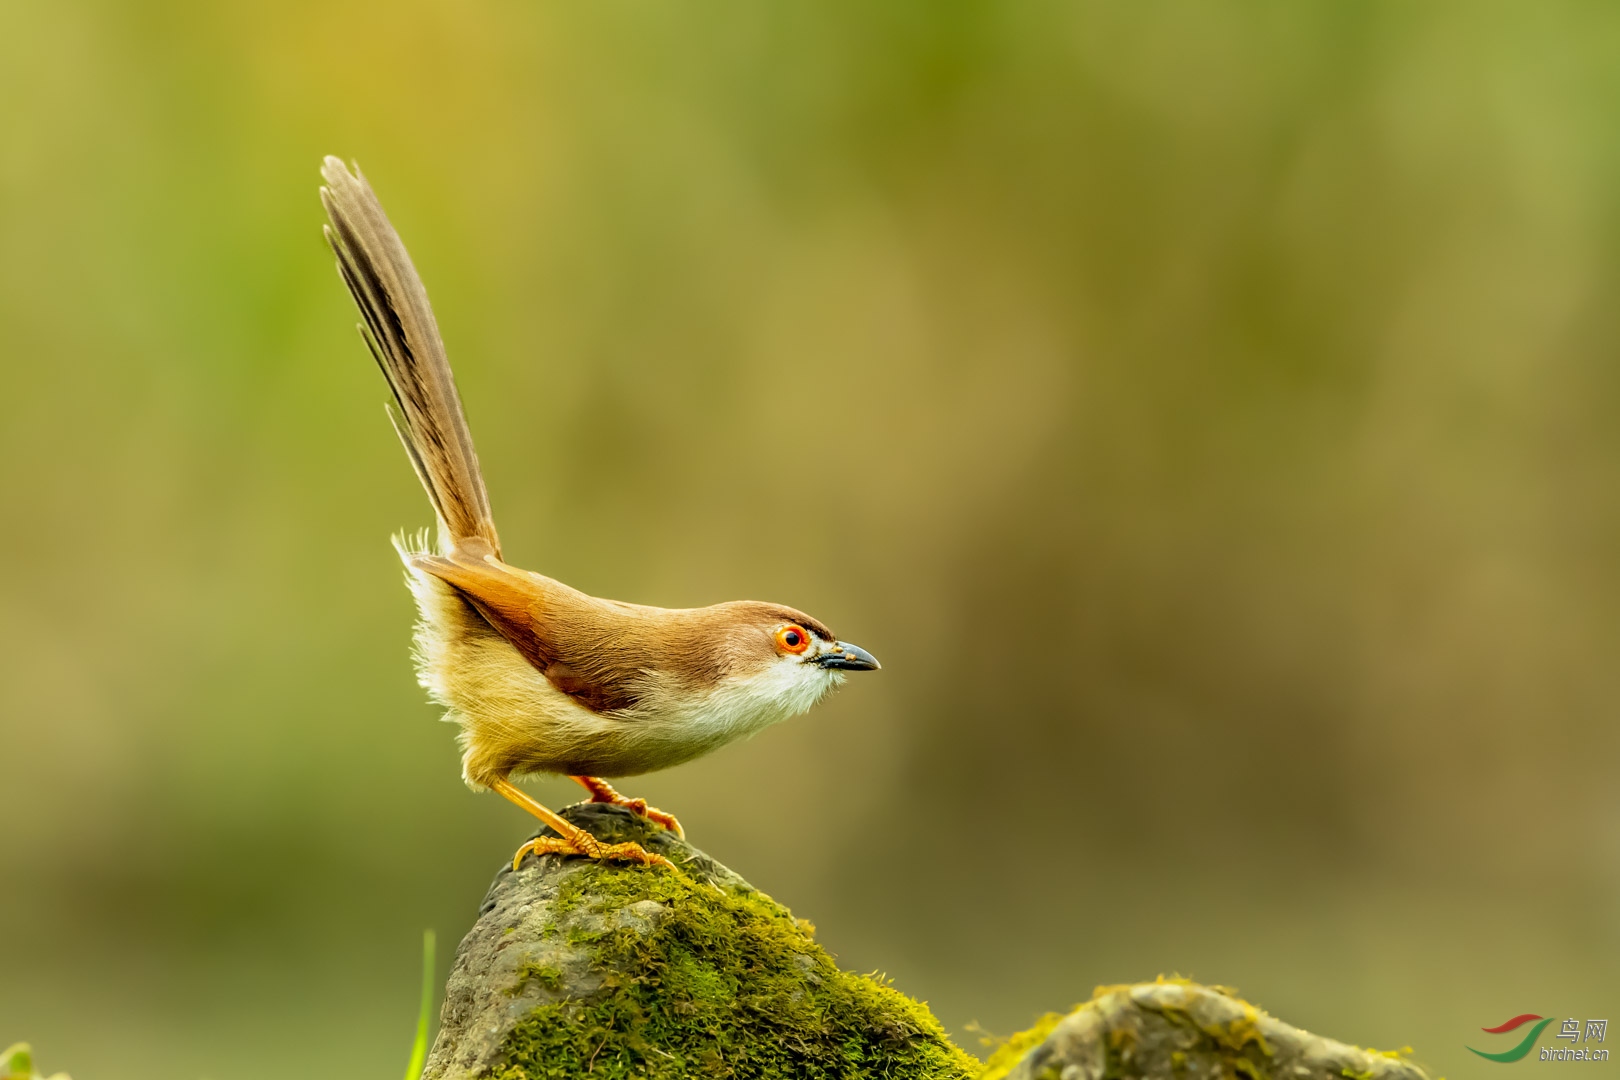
(576, 968)
(1173, 1028)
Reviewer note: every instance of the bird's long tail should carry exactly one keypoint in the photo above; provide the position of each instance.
(398, 325)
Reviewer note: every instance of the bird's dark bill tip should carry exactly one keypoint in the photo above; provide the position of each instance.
(846, 657)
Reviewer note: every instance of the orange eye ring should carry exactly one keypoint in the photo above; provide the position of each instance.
(792, 639)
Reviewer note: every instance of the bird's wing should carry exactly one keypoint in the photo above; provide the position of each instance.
(586, 648)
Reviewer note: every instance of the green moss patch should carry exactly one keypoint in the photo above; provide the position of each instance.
(721, 983)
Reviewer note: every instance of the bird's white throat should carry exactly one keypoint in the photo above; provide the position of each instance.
(743, 705)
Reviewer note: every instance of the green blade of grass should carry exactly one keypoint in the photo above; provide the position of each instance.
(413, 1071)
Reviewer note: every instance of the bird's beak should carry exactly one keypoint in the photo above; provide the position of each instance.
(846, 657)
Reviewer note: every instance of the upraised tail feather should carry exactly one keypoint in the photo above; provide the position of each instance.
(399, 328)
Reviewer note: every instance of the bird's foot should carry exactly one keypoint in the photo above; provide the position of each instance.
(603, 792)
(583, 843)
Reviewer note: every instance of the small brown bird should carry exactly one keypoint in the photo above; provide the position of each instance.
(540, 677)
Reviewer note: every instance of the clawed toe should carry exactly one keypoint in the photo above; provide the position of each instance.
(587, 846)
(633, 852)
(653, 814)
(603, 792)
(571, 839)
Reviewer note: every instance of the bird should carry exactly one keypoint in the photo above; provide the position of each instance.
(539, 677)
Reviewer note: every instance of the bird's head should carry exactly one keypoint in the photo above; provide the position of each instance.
(782, 655)
(797, 639)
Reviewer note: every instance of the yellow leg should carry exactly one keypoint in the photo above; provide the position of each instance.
(574, 840)
(602, 791)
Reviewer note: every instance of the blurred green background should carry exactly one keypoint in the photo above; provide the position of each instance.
(1207, 413)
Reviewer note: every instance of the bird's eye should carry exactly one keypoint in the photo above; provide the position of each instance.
(792, 639)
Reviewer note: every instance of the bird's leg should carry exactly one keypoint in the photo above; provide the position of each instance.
(574, 840)
(602, 791)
